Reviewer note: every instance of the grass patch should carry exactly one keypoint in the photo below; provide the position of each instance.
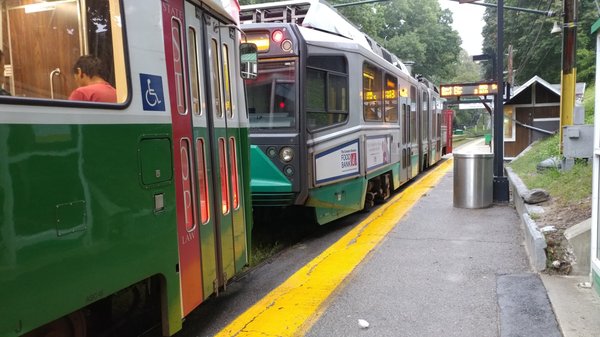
(588, 104)
(262, 252)
(569, 186)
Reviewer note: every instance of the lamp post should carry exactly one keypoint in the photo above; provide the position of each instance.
(500, 184)
(500, 180)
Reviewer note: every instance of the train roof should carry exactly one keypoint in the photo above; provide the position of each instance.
(318, 15)
(228, 8)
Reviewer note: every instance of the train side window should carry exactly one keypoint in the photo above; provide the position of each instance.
(203, 182)
(91, 27)
(434, 123)
(194, 78)
(327, 94)
(372, 89)
(226, 81)
(214, 75)
(425, 116)
(413, 115)
(391, 99)
(406, 126)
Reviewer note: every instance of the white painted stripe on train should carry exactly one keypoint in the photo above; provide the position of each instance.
(61, 115)
(349, 131)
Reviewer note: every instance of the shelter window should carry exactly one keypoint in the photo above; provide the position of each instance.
(91, 27)
(509, 125)
(327, 91)
(372, 93)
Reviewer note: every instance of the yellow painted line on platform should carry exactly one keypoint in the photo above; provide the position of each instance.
(293, 307)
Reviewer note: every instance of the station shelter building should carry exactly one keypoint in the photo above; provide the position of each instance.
(532, 113)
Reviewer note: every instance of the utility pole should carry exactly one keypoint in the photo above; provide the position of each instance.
(510, 79)
(510, 66)
(569, 70)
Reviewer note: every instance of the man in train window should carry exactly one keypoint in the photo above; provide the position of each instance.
(92, 86)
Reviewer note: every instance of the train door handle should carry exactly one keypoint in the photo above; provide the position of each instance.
(55, 72)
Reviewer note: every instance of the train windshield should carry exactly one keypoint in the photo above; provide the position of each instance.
(272, 96)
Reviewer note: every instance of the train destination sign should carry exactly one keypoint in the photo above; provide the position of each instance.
(468, 89)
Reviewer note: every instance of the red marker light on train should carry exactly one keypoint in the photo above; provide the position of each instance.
(277, 36)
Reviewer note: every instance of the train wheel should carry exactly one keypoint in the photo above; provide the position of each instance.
(73, 325)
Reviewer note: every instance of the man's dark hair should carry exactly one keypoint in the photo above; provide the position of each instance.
(90, 65)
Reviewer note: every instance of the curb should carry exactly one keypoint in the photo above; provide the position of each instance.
(535, 242)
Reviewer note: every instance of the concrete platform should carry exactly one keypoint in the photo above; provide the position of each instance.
(577, 307)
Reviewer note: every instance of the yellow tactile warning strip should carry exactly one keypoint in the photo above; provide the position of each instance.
(292, 308)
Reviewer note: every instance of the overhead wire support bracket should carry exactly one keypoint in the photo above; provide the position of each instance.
(527, 10)
(357, 3)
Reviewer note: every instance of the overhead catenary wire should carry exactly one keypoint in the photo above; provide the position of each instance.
(532, 46)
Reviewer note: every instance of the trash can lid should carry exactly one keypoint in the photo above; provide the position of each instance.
(472, 155)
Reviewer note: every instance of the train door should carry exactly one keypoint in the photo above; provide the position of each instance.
(220, 44)
(183, 158)
(405, 133)
(425, 129)
(413, 154)
(437, 129)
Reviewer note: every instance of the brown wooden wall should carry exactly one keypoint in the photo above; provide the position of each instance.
(525, 136)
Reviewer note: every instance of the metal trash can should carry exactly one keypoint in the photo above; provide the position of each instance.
(473, 180)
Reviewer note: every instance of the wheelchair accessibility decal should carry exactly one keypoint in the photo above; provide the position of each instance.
(152, 92)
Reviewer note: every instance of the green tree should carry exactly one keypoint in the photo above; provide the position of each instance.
(467, 70)
(418, 31)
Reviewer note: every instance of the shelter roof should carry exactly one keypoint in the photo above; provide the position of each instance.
(553, 89)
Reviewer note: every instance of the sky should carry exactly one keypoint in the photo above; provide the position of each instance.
(468, 22)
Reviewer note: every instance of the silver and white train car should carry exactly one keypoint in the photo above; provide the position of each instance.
(336, 121)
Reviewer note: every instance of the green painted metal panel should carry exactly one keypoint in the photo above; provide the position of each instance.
(238, 214)
(76, 223)
(414, 163)
(245, 159)
(596, 281)
(154, 168)
(207, 230)
(396, 172)
(266, 177)
(225, 220)
(336, 200)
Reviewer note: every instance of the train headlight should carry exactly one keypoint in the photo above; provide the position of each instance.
(286, 45)
(286, 154)
(271, 152)
(288, 171)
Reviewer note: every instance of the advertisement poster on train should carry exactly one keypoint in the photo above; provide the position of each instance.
(378, 151)
(338, 162)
